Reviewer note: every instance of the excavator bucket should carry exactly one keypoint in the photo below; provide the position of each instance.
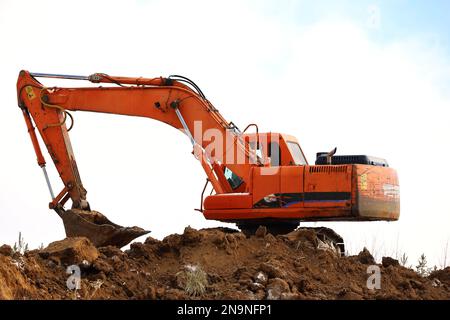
(97, 228)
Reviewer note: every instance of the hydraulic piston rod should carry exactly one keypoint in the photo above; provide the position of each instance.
(58, 76)
(48, 182)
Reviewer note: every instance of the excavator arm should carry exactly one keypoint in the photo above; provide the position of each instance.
(168, 100)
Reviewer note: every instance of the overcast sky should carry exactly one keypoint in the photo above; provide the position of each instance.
(370, 77)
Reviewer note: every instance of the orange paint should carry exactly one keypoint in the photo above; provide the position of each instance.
(264, 185)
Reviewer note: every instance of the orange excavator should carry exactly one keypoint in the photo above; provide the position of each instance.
(256, 178)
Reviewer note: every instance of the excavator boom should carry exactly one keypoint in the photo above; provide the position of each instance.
(163, 99)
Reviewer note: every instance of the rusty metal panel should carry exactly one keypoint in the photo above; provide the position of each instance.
(377, 193)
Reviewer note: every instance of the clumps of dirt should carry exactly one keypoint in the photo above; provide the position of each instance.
(217, 263)
(71, 251)
(365, 257)
(388, 261)
(441, 277)
(6, 250)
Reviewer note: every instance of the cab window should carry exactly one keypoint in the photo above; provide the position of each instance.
(274, 153)
(296, 152)
(232, 178)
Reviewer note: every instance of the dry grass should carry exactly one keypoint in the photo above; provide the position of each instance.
(196, 280)
(444, 263)
(20, 246)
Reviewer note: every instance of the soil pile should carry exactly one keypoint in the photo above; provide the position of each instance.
(211, 264)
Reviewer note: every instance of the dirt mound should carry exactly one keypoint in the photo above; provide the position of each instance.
(211, 264)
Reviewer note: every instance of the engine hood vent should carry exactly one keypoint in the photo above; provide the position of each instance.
(351, 159)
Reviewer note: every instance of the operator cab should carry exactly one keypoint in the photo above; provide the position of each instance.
(277, 149)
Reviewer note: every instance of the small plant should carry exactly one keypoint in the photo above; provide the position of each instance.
(95, 285)
(422, 268)
(41, 246)
(444, 257)
(21, 246)
(195, 280)
(403, 260)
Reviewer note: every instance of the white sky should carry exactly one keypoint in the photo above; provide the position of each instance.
(329, 82)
